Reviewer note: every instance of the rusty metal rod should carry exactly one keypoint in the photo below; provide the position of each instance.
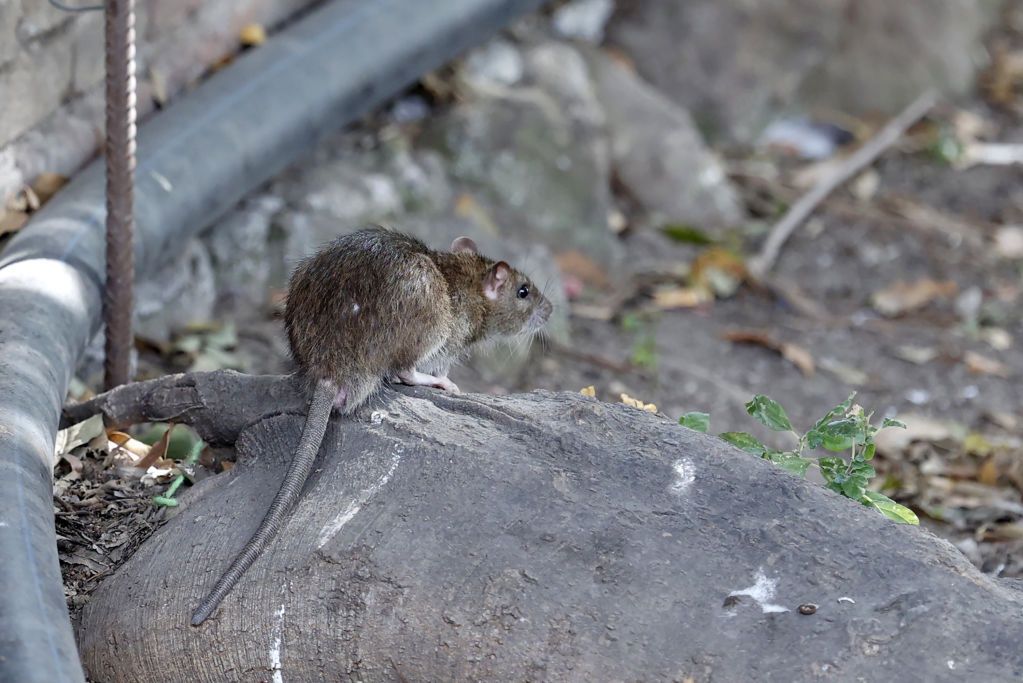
(118, 295)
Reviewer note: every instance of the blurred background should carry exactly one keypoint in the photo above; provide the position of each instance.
(633, 156)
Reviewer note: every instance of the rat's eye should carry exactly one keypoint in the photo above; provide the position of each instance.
(523, 291)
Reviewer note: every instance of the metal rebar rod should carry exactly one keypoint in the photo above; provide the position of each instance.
(118, 299)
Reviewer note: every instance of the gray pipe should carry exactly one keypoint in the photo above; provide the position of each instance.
(196, 160)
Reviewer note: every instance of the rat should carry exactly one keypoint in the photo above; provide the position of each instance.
(378, 304)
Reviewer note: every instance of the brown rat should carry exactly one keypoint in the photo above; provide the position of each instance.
(378, 304)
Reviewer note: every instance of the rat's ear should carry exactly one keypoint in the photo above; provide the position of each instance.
(464, 244)
(496, 279)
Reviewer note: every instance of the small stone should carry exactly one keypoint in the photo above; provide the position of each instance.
(808, 609)
(584, 19)
(498, 62)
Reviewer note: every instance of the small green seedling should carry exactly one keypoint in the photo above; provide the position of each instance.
(846, 427)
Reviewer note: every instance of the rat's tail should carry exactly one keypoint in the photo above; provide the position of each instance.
(284, 501)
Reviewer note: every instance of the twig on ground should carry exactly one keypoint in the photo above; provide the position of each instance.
(861, 159)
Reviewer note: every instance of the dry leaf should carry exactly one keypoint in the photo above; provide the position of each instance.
(918, 355)
(795, 354)
(252, 35)
(77, 435)
(12, 221)
(996, 338)
(982, 365)
(636, 403)
(590, 391)
(670, 298)
(904, 297)
(125, 441)
(865, 186)
(157, 452)
(717, 271)
(47, 184)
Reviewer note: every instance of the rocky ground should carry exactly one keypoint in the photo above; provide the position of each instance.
(551, 148)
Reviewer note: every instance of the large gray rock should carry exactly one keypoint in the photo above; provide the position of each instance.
(539, 172)
(659, 154)
(735, 64)
(540, 537)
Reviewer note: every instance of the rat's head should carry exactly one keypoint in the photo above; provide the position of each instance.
(516, 305)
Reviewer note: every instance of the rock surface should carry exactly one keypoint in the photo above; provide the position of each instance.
(547, 536)
(736, 64)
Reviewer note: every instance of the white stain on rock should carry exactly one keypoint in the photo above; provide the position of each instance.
(275, 646)
(685, 475)
(331, 528)
(762, 591)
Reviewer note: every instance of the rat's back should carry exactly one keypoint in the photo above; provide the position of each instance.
(370, 303)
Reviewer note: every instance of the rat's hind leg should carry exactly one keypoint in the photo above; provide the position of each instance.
(421, 379)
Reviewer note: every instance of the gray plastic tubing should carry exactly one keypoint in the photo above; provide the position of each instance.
(196, 160)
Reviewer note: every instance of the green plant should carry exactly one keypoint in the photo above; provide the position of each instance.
(846, 427)
(642, 327)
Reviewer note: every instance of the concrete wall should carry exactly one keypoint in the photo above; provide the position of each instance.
(51, 68)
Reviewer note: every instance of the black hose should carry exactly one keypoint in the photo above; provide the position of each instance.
(196, 160)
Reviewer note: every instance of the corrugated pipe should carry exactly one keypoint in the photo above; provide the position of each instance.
(196, 160)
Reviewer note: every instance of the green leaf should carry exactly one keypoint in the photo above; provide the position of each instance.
(889, 508)
(769, 413)
(853, 488)
(831, 468)
(816, 438)
(837, 411)
(889, 422)
(790, 462)
(868, 452)
(687, 234)
(746, 442)
(699, 422)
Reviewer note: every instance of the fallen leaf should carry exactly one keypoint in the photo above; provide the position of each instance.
(77, 435)
(718, 271)
(12, 221)
(865, 186)
(128, 443)
(1009, 242)
(578, 264)
(590, 391)
(988, 473)
(982, 365)
(918, 355)
(680, 297)
(157, 452)
(636, 403)
(904, 297)
(996, 338)
(795, 354)
(48, 184)
(252, 35)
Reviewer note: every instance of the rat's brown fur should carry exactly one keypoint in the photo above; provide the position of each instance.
(376, 304)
